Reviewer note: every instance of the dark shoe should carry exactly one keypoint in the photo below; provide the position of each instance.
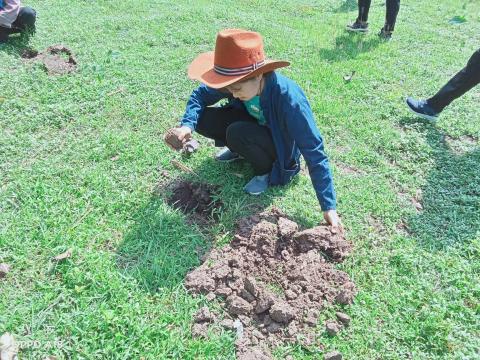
(422, 109)
(358, 26)
(385, 34)
(257, 185)
(226, 155)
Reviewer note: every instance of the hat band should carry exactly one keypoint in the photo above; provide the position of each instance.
(238, 71)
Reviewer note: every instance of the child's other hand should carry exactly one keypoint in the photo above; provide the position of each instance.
(332, 218)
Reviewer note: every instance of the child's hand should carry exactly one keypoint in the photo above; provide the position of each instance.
(176, 137)
(332, 218)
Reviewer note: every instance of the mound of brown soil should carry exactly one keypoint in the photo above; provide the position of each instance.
(275, 279)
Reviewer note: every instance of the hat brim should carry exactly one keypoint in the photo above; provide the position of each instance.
(201, 69)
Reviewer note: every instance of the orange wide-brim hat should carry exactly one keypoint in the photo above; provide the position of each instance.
(238, 56)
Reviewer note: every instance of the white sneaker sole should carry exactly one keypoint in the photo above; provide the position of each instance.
(363, 31)
(228, 161)
(254, 194)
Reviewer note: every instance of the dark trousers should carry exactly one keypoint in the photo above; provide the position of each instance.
(241, 133)
(25, 21)
(462, 82)
(393, 6)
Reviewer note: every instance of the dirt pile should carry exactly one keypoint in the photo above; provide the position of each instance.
(57, 59)
(275, 280)
(195, 199)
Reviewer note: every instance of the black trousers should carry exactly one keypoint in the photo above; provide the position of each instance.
(393, 6)
(25, 21)
(462, 82)
(241, 133)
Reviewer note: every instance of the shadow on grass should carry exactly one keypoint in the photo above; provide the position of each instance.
(451, 196)
(349, 46)
(164, 245)
(17, 44)
(346, 6)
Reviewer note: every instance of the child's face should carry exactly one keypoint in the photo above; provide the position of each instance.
(247, 89)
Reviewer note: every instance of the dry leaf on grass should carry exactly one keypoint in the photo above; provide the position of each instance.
(8, 347)
(4, 269)
(63, 256)
(182, 167)
(165, 174)
(349, 78)
(334, 355)
(119, 90)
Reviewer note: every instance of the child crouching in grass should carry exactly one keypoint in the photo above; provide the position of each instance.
(267, 121)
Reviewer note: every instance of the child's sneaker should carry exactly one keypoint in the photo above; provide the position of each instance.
(422, 109)
(226, 155)
(385, 34)
(257, 185)
(358, 26)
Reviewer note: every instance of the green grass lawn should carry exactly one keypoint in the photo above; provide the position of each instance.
(81, 157)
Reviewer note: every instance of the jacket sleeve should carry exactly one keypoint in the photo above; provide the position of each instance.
(201, 97)
(302, 128)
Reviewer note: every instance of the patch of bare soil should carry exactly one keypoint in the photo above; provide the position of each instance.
(57, 59)
(462, 144)
(348, 169)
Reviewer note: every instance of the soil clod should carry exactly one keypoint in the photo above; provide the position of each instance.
(186, 146)
(332, 328)
(4, 270)
(343, 318)
(204, 315)
(334, 355)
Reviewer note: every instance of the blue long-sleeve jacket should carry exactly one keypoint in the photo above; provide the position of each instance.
(294, 132)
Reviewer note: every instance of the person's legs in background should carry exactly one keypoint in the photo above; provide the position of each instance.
(463, 81)
(363, 9)
(393, 7)
(361, 24)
